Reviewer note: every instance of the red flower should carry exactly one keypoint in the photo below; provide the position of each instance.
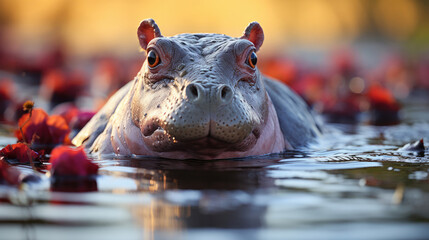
(344, 108)
(75, 118)
(7, 90)
(58, 129)
(42, 129)
(79, 121)
(310, 87)
(58, 86)
(280, 68)
(381, 98)
(19, 151)
(9, 174)
(344, 63)
(383, 106)
(67, 161)
(67, 110)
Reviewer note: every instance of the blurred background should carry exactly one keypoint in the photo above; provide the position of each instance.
(90, 48)
(84, 28)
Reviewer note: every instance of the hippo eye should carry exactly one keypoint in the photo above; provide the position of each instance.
(153, 59)
(252, 59)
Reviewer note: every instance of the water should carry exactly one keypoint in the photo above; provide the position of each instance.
(353, 184)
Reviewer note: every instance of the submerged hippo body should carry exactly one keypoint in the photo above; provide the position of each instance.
(200, 96)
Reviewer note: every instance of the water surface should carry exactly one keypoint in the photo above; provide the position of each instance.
(352, 184)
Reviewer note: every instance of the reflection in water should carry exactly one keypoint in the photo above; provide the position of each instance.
(156, 175)
(64, 184)
(223, 201)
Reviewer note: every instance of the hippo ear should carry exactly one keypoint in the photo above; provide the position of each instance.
(147, 31)
(255, 34)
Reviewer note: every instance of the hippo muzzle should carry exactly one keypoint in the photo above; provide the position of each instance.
(202, 116)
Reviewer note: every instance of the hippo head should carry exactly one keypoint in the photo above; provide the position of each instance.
(199, 93)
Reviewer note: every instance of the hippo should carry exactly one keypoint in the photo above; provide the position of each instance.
(200, 96)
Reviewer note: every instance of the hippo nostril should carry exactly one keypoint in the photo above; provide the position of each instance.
(225, 94)
(192, 91)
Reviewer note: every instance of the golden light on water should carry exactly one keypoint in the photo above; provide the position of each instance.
(109, 26)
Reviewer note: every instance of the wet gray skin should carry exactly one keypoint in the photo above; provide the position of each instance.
(200, 96)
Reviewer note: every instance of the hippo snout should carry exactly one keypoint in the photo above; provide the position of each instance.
(216, 113)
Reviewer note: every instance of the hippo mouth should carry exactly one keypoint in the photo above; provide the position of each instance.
(160, 140)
